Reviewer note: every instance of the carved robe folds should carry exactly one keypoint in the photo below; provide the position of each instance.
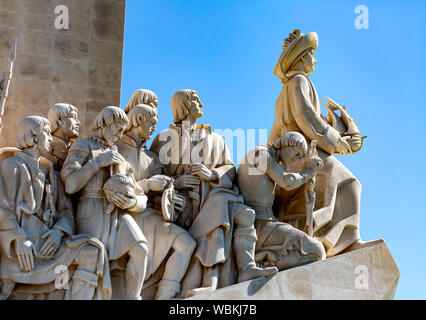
(338, 192)
(34, 201)
(118, 231)
(211, 223)
(279, 244)
(160, 234)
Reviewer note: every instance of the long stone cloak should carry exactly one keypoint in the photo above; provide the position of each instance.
(338, 192)
(212, 226)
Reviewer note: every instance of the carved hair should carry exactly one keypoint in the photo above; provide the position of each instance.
(139, 114)
(29, 127)
(291, 139)
(59, 111)
(181, 101)
(141, 96)
(107, 116)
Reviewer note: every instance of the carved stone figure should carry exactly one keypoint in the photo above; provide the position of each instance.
(65, 126)
(279, 244)
(336, 218)
(90, 163)
(37, 221)
(142, 96)
(162, 234)
(215, 215)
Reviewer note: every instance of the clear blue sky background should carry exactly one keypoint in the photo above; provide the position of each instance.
(227, 50)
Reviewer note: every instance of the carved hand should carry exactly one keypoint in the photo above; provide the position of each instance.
(202, 172)
(342, 146)
(315, 164)
(179, 202)
(109, 157)
(158, 182)
(25, 251)
(122, 201)
(186, 181)
(54, 238)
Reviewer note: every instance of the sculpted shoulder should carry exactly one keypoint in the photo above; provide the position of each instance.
(12, 163)
(81, 146)
(298, 80)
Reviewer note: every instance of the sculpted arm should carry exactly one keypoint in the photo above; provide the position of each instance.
(307, 119)
(65, 212)
(77, 170)
(287, 181)
(225, 171)
(10, 229)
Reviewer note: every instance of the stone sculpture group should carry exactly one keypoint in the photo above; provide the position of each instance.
(113, 219)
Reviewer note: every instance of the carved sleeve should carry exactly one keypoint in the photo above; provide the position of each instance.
(307, 119)
(64, 209)
(10, 230)
(225, 169)
(78, 168)
(75, 160)
(287, 181)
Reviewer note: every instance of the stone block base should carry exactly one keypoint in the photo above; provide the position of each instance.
(369, 273)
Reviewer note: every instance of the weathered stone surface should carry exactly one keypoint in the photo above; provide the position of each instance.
(81, 65)
(332, 279)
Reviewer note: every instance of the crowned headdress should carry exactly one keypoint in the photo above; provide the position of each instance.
(294, 46)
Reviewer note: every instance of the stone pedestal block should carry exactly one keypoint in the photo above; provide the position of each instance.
(369, 273)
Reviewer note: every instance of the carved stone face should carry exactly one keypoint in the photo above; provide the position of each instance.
(148, 128)
(195, 108)
(44, 139)
(112, 133)
(309, 61)
(70, 125)
(290, 154)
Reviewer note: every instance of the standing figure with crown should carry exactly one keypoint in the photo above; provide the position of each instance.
(338, 192)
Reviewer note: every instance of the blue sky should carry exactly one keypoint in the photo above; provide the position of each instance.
(227, 50)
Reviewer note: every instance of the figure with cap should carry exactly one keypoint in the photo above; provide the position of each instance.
(337, 208)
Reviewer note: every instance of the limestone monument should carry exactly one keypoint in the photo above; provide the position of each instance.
(37, 220)
(279, 244)
(87, 212)
(90, 163)
(338, 192)
(162, 233)
(78, 63)
(215, 215)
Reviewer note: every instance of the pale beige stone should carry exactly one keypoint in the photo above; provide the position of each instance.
(108, 197)
(215, 216)
(40, 238)
(103, 76)
(167, 242)
(338, 192)
(331, 279)
(259, 174)
(82, 64)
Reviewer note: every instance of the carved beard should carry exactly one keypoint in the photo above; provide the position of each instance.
(71, 133)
